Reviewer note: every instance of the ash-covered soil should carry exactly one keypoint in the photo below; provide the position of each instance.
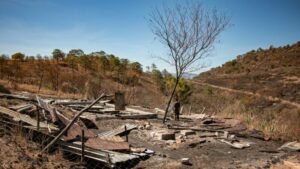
(211, 154)
(18, 153)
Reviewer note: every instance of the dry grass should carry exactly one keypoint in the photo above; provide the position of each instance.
(278, 120)
(34, 89)
(283, 125)
(17, 151)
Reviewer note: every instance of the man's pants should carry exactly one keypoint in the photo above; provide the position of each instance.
(177, 116)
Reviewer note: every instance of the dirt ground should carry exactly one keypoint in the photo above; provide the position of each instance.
(209, 155)
(205, 153)
(18, 153)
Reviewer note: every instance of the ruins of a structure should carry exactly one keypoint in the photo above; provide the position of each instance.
(71, 125)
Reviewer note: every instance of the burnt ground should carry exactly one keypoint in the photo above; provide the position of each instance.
(210, 154)
(17, 152)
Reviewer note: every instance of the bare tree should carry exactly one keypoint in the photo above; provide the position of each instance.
(188, 31)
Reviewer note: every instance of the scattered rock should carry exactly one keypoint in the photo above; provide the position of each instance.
(259, 135)
(148, 127)
(290, 146)
(167, 136)
(236, 144)
(170, 142)
(186, 161)
(195, 143)
(207, 134)
(149, 152)
(178, 141)
(225, 134)
(232, 137)
(137, 150)
(187, 132)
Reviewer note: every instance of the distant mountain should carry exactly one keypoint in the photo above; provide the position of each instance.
(189, 75)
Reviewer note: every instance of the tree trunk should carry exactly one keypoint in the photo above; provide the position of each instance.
(170, 99)
(40, 83)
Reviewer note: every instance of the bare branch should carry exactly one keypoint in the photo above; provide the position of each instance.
(188, 31)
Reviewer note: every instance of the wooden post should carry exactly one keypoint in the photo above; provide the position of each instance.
(108, 158)
(38, 119)
(82, 146)
(119, 101)
(126, 133)
(71, 123)
(190, 109)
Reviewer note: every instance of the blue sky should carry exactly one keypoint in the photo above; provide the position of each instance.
(119, 27)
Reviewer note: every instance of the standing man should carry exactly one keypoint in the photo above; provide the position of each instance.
(177, 109)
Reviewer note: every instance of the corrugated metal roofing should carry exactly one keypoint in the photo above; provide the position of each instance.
(117, 131)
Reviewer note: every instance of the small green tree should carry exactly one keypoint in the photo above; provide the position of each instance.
(58, 55)
(18, 56)
(183, 91)
(136, 67)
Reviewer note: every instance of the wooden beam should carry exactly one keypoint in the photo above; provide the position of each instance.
(71, 123)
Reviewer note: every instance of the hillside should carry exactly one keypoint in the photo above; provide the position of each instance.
(79, 75)
(272, 72)
(260, 88)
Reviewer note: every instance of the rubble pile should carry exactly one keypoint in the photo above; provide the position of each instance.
(134, 134)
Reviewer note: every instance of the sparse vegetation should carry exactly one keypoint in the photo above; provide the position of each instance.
(263, 72)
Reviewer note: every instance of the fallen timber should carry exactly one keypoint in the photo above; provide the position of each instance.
(104, 110)
(110, 158)
(72, 122)
(16, 116)
(128, 113)
(12, 96)
(22, 108)
(93, 149)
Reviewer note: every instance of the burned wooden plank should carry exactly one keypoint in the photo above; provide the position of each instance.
(22, 107)
(25, 118)
(74, 102)
(75, 130)
(90, 153)
(46, 107)
(19, 97)
(195, 128)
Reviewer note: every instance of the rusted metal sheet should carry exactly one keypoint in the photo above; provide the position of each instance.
(100, 144)
(118, 131)
(109, 157)
(93, 142)
(105, 156)
(75, 129)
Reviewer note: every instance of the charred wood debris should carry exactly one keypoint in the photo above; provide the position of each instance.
(71, 126)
